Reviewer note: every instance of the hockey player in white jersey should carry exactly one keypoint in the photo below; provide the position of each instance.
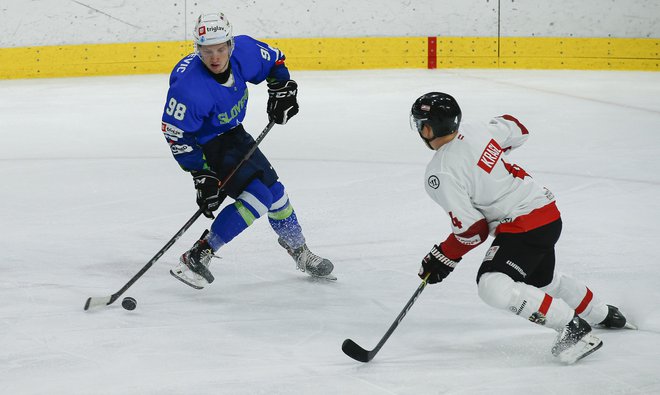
(484, 194)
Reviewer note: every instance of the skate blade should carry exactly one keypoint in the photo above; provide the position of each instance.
(185, 281)
(630, 326)
(328, 277)
(584, 348)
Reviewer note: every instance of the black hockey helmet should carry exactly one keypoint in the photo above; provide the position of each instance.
(438, 110)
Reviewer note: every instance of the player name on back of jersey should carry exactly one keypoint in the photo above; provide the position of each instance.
(489, 157)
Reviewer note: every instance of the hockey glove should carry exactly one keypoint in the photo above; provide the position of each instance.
(209, 196)
(436, 265)
(282, 104)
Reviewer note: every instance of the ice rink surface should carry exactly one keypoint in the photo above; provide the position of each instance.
(90, 193)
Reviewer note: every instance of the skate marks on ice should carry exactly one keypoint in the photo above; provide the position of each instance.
(264, 327)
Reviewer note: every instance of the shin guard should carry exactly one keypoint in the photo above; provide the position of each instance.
(500, 291)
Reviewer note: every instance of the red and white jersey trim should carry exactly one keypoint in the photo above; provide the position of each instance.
(535, 219)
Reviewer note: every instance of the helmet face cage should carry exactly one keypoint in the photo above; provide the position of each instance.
(212, 29)
(438, 110)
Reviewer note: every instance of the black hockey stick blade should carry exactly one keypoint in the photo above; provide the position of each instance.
(353, 350)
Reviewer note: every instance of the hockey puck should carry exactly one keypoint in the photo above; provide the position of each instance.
(129, 303)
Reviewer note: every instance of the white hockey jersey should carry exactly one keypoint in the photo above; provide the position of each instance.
(481, 192)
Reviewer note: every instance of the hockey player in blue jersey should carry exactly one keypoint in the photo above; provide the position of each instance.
(205, 106)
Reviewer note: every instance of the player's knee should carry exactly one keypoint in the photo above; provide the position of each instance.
(280, 198)
(563, 286)
(256, 198)
(555, 285)
(281, 209)
(496, 289)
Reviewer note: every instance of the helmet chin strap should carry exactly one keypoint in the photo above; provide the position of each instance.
(428, 141)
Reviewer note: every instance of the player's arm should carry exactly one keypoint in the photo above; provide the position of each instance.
(266, 63)
(282, 90)
(178, 120)
(278, 72)
(184, 147)
(509, 132)
(179, 124)
(469, 228)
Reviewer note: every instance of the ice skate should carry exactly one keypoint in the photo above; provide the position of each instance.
(615, 320)
(308, 262)
(193, 265)
(182, 273)
(575, 341)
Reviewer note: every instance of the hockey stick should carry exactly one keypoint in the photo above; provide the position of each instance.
(353, 350)
(108, 300)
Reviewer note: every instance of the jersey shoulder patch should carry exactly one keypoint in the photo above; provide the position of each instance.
(433, 181)
(490, 156)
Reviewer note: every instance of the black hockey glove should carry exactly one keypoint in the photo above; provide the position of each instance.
(436, 265)
(209, 196)
(282, 104)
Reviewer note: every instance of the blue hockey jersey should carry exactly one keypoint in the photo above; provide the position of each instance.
(198, 108)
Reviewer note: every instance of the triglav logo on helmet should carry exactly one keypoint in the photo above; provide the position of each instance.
(202, 30)
(215, 29)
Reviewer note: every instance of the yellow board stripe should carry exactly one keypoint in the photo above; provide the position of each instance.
(91, 60)
(580, 53)
(467, 52)
(353, 53)
(348, 54)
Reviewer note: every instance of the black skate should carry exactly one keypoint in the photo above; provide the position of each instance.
(193, 264)
(615, 320)
(575, 341)
(307, 261)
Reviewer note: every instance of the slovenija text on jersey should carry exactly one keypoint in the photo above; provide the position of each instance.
(235, 110)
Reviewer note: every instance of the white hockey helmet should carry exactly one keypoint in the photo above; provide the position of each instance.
(212, 29)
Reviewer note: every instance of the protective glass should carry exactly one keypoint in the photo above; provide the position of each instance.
(417, 124)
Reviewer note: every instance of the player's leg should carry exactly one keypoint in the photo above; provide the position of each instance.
(575, 293)
(501, 283)
(233, 219)
(586, 304)
(282, 216)
(578, 296)
(510, 265)
(574, 339)
(283, 220)
(502, 292)
(252, 199)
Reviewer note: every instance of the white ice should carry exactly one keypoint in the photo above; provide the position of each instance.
(90, 193)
